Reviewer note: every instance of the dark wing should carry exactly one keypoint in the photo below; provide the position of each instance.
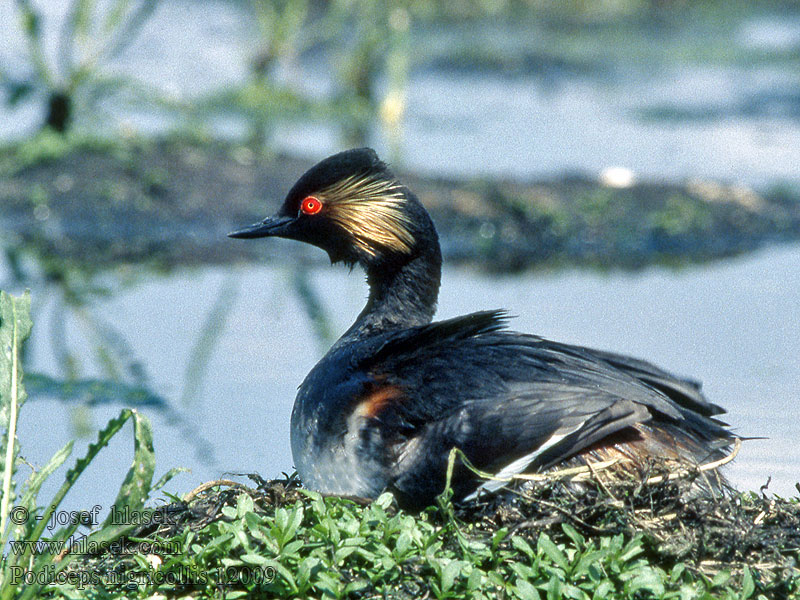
(685, 392)
(511, 401)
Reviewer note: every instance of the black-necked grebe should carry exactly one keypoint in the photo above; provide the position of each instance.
(385, 406)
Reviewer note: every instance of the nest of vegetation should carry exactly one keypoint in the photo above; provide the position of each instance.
(716, 529)
(681, 518)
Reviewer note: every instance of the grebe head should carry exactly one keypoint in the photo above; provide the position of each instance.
(352, 206)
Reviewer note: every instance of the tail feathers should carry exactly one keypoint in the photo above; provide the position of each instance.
(635, 448)
(646, 444)
(607, 422)
(562, 444)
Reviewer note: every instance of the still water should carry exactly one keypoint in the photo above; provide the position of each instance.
(733, 324)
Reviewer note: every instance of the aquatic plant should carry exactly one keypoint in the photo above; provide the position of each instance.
(34, 551)
(373, 40)
(74, 80)
(361, 43)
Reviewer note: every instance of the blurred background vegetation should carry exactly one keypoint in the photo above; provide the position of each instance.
(348, 61)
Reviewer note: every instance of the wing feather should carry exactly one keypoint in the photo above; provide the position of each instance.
(516, 401)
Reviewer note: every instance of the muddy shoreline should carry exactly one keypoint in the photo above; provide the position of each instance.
(171, 202)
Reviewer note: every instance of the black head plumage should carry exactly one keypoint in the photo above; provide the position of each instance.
(352, 206)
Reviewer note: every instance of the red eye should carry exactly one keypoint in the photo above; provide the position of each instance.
(310, 205)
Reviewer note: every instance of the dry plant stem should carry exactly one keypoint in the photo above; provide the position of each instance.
(737, 444)
(760, 517)
(210, 484)
(570, 516)
(591, 470)
(599, 481)
(577, 473)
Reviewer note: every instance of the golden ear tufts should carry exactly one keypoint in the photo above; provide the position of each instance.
(370, 209)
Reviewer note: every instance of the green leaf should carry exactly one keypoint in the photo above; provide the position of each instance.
(522, 545)
(329, 581)
(255, 559)
(554, 588)
(496, 578)
(138, 475)
(604, 589)
(498, 537)
(283, 572)
(292, 547)
(35, 481)
(34, 484)
(748, 585)
(166, 477)
(588, 563)
(523, 571)
(677, 572)
(552, 551)
(45, 564)
(449, 573)
(474, 580)
(385, 500)
(281, 519)
(355, 586)
(94, 392)
(342, 553)
(632, 549)
(15, 327)
(572, 534)
(244, 505)
(721, 578)
(136, 486)
(403, 544)
(646, 578)
(526, 591)
(295, 521)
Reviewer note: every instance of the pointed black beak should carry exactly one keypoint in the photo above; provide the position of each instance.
(271, 226)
